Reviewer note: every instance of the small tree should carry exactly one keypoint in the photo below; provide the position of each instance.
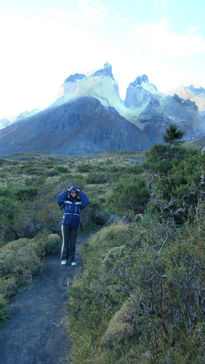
(172, 134)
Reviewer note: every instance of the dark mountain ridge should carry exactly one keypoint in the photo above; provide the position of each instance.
(80, 126)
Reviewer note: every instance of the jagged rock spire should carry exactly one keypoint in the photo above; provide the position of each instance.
(105, 71)
(143, 81)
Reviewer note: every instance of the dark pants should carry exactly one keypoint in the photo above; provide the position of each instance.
(69, 236)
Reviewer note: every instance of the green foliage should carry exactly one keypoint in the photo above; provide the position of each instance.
(29, 185)
(140, 298)
(3, 308)
(129, 194)
(97, 178)
(28, 189)
(141, 293)
(24, 212)
(9, 211)
(160, 157)
(85, 167)
(28, 193)
(175, 179)
(172, 134)
(20, 260)
(30, 169)
(61, 169)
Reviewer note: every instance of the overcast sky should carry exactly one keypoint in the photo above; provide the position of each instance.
(44, 41)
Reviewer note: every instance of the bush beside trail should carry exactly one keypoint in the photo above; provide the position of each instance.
(141, 297)
(20, 260)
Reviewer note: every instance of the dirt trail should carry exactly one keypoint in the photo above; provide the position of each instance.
(35, 333)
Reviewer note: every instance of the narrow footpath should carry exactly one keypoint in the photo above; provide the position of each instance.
(35, 332)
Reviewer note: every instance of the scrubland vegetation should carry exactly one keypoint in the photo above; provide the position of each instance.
(30, 217)
(140, 298)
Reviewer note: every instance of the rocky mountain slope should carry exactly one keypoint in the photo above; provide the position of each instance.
(91, 117)
(83, 125)
(150, 110)
(196, 94)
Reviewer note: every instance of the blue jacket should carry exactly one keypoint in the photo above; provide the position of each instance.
(72, 207)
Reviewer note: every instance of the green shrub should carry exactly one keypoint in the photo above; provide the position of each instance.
(97, 178)
(173, 134)
(3, 308)
(20, 260)
(9, 211)
(141, 292)
(30, 169)
(84, 168)
(27, 193)
(46, 245)
(61, 169)
(129, 195)
(175, 179)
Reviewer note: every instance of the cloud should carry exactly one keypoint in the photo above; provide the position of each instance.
(158, 38)
(89, 12)
(119, 17)
(161, 4)
(37, 54)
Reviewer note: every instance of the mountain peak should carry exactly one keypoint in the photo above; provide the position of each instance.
(140, 80)
(143, 82)
(105, 71)
(186, 102)
(100, 85)
(200, 91)
(75, 77)
(140, 92)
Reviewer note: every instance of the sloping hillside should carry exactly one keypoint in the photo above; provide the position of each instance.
(80, 126)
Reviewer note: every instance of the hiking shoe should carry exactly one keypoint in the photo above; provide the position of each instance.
(63, 262)
(73, 264)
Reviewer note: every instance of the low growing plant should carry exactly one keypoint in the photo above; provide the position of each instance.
(20, 260)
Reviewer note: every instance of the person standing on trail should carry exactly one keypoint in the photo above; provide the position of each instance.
(71, 201)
